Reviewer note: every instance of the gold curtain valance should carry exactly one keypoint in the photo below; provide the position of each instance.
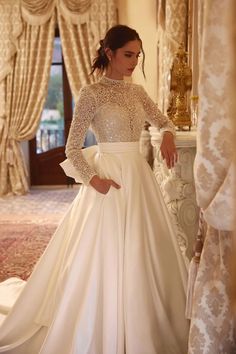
(77, 12)
(37, 12)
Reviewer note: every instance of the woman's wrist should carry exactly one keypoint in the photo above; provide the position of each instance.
(94, 180)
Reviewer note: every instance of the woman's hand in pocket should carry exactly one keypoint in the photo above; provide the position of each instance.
(103, 185)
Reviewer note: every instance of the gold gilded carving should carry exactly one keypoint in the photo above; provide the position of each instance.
(180, 83)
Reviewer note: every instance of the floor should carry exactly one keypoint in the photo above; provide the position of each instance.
(41, 204)
(27, 224)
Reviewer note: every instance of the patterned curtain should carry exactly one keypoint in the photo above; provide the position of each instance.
(233, 90)
(37, 12)
(172, 27)
(10, 29)
(213, 323)
(80, 37)
(26, 43)
(26, 87)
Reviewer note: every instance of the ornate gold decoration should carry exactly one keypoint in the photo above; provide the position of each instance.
(180, 83)
(194, 110)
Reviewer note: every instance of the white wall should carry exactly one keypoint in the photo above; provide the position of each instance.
(141, 15)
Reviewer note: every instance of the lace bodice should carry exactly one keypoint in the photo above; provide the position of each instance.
(116, 111)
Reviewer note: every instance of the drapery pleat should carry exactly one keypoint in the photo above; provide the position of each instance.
(10, 30)
(172, 24)
(233, 90)
(213, 163)
(25, 61)
(212, 327)
(77, 52)
(38, 12)
(26, 88)
(74, 11)
(79, 41)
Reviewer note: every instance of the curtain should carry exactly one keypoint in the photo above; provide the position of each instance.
(26, 43)
(233, 90)
(10, 30)
(212, 327)
(82, 23)
(38, 12)
(80, 37)
(25, 87)
(172, 28)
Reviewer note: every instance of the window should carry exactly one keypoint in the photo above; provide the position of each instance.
(57, 113)
(51, 130)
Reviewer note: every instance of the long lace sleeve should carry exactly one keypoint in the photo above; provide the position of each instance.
(82, 117)
(154, 115)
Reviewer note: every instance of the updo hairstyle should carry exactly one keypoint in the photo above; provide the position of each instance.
(116, 37)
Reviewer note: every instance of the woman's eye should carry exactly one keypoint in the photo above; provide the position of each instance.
(128, 55)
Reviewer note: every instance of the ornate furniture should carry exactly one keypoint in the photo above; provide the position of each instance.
(177, 184)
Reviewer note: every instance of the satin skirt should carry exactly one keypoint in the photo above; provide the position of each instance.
(112, 279)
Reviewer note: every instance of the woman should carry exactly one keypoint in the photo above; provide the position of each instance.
(112, 280)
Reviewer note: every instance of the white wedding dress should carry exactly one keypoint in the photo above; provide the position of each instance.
(112, 280)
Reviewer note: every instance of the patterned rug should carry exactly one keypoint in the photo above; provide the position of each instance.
(21, 245)
(45, 206)
(27, 224)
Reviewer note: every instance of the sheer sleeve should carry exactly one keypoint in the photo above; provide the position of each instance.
(154, 115)
(82, 117)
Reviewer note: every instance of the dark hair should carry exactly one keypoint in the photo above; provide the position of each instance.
(116, 37)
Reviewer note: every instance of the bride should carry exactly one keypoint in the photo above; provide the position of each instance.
(112, 280)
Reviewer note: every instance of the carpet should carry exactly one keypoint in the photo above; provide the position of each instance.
(21, 245)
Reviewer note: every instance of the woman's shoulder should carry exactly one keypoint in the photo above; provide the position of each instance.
(88, 90)
(138, 89)
(91, 89)
(94, 89)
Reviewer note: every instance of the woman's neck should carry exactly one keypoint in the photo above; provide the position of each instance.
(114, 75)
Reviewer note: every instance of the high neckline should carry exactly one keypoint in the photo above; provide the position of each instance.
(107, 80)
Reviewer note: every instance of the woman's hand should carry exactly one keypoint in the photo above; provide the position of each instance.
(168, 149)
(103, 185)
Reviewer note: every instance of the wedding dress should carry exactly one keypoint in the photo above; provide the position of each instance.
(112, 279)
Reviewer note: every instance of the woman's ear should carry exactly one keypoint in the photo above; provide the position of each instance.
(108, 53)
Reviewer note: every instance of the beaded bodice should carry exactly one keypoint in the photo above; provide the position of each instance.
(116, 111)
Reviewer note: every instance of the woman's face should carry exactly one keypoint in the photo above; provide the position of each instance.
(123, 61)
